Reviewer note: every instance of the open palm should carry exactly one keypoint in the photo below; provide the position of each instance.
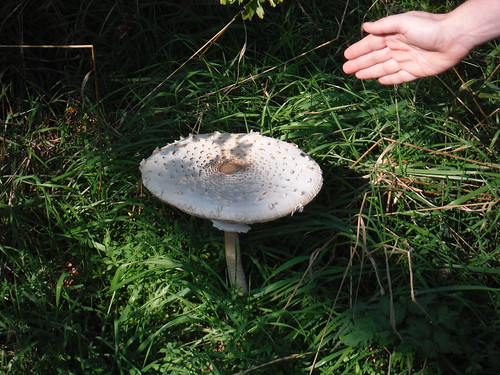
(404, 47)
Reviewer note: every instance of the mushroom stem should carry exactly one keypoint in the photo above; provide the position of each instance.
(233, 260)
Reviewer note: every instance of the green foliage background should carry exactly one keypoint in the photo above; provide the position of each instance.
(393, 268)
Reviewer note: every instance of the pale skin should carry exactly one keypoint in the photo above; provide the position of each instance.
(403, 47)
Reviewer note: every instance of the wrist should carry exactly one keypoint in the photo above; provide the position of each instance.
(474, 22)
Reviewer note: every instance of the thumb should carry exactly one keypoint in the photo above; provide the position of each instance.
(388, 25)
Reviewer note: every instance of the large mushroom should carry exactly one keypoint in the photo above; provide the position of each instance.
(233, 180)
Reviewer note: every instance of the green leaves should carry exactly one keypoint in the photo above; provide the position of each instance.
(252, 7)
(430, 328)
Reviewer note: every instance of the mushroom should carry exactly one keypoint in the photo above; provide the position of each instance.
(233, 180)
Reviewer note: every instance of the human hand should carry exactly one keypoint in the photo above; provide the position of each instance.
(404, 47)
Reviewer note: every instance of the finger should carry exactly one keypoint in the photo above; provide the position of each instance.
(366, 61)
(389, 25)
(387, 73)
(366, 45)
(399, 77)
(385, 68)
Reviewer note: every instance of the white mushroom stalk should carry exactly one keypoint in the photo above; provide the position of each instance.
(233, 180)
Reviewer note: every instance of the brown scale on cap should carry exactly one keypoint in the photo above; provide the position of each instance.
(231, 166)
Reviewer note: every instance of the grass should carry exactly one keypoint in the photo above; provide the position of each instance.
(392, 269)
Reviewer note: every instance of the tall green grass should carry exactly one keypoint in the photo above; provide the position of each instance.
(392, 269)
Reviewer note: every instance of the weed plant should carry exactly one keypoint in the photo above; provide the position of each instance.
(392, 269)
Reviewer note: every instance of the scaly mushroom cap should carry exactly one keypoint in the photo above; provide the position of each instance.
(232, 178)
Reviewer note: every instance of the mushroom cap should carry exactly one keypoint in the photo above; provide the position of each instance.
(232, 178)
